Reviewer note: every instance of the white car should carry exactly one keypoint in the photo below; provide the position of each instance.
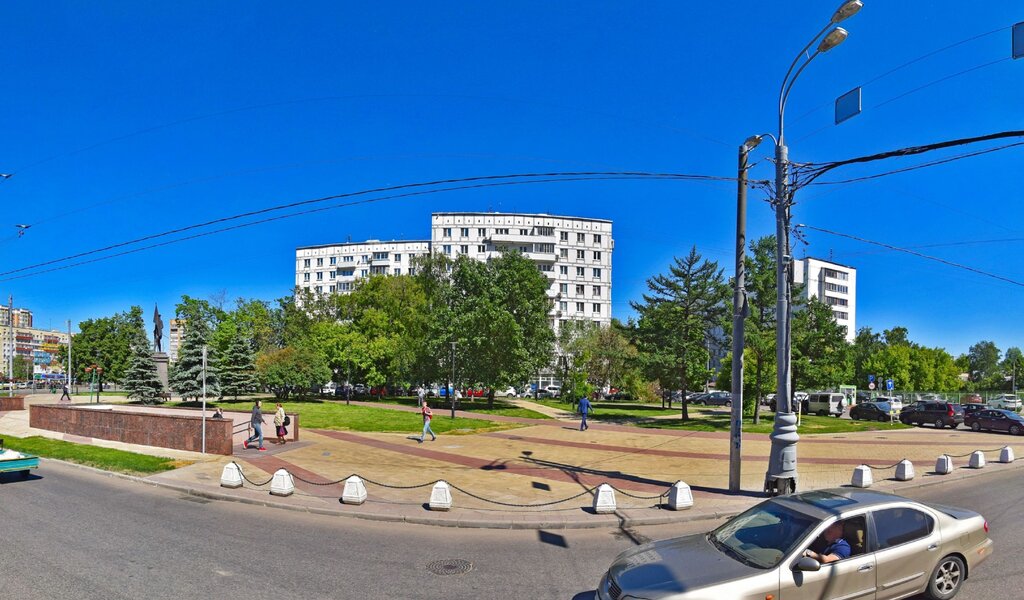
(507, 393)
(1005, 401)
(551, 391)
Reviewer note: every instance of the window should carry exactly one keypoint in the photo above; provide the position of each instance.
(464, 249)
(597, 255)
(305, 264)
(524, 232)
(366, 258)
(380, 256)
(524, 249)
(841, 315)
(597, 238)
(464, 232)
(597, 308)
(320, 289)
(482, 232)
(398, 271)
(563, 306)
(447, 249)
(545, 248)
(363, 273)
(563, 236)
(332, 274)
(546, 231)
(597, 273)
(580, 255)
(379, 270)
(547, 268)
(597, 291)
(501, 231)
(580, 272)
(319, 262)
(895, 526)
(581, 238)
(832, 287)
(563, 253)
(344, 287)
(563, 270)
(305, 276)
(563, 288)
(836, 274)
(319, 275)
(398, 258)
(836, 301)
(347, 258)
(481, 248)
(579, 290)
(334, 260)
(579, 307)
(347, 272)
(330, 288)
(446, 232)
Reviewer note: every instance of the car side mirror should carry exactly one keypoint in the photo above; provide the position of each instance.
(807, 563)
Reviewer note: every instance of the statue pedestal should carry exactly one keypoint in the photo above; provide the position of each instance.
(161, 359)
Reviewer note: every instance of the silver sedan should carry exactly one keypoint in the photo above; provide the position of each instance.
(838, 544)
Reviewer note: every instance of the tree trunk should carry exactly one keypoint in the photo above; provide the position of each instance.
(758, 390)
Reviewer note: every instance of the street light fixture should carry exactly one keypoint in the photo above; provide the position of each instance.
(781, 475)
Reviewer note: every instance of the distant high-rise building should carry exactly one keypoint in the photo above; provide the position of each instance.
(175, 335)
(335, 268)
(835, 285)
(22, 317)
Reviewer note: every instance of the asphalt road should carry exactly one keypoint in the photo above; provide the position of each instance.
(75, 534)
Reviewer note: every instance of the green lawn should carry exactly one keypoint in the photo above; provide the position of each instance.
(318, 414)
(809, 424)
(477, 405)
(107, 459)
(616, 411)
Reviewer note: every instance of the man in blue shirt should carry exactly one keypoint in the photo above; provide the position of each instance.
(836, 547)
(584, 408)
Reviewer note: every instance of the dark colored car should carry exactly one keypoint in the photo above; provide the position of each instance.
(996, 420)
(970, 409)
(805, 405)
(718, 399)
(940, 414)
(871, 411)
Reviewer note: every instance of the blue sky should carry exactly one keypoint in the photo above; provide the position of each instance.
(123, 119)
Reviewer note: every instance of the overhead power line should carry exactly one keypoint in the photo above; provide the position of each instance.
(467, 183)
(913, 253)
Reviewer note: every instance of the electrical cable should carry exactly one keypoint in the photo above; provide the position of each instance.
(300, 213)
(913, 253)
(545, 177)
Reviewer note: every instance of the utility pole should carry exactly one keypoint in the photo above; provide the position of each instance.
(68, 377)
(204, 399)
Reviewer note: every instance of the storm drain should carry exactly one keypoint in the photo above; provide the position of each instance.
(450, 566)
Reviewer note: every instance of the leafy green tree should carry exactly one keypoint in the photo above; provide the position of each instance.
(105, 342)
(1013, 366)
(237, 372)
(292, 370)
(865, 345)
(821, 354)
(983, 359)
(610, 357)
(23, 368)
(141, 379)
(677, 318)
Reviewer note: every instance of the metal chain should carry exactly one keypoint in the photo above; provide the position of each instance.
(883, 468)
(625, 493)
(970, 453)
(516, 505)
(398, 487)
(324, 483)
(250, 481)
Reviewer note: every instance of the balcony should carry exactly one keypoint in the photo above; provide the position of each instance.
(544, 257)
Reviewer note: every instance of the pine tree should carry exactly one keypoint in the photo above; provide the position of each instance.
(186, 377)
(238, 368)
(141, 378)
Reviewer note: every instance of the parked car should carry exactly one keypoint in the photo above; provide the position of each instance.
(359, 389)
(1005, 401)
(509, 392)
(995, 420)
(800, 400)
(872, 411)
(896, 402)
(826, 404)
(898, 548)
(971, 399)
(697, 398)
(718, 399)
(970, 409)
(551, 391)
(940, 414)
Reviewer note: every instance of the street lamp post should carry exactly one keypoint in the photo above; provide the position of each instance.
(451, 390)
(782, 474)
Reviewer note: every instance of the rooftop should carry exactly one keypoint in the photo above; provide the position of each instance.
(505, 214)
(363, 243)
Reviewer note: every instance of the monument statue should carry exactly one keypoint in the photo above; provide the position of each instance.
(158, 329)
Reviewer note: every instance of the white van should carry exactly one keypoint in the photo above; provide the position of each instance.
(826, 404)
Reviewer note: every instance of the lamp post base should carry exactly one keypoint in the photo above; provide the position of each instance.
(779, 486)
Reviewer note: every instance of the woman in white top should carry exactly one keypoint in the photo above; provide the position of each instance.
(279, 423)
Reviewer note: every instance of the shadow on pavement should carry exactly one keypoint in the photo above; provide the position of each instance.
(17, 477)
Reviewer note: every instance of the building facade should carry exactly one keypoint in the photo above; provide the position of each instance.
(22, 317)
(175, 335)
(335, 268)
(41, 346)
(833, 284)
(575, 254)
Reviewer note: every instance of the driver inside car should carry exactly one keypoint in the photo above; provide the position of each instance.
(835, 547)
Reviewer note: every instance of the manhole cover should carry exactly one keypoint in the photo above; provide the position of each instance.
(450, 566)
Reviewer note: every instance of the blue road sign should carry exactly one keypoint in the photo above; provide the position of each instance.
(871, 378)
(1018, 40)
(888, 384)
(848, 105)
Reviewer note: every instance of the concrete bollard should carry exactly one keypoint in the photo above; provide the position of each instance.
(680, 497)
(282, 484)
(944, 465)
(604, 500)
(441, 496)
(355, 491)
(904, 470)
(231, 476)
(1006, 455)
(862, 477)
(977, 459)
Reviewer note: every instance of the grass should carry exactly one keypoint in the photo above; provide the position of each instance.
(107, 459)
(614, 411)
(477, 405)
(317, 414)
(809, 424)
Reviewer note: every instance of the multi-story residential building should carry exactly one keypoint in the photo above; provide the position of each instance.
(335, 268)
(833, 284)
(575, 253)
(175, 335)
(22, 316)
(39, 345)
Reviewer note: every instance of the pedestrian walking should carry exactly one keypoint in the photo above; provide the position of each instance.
(427, 416)
(257, 425)
(421, 395)
(584, 408)
(65, 394)
(279, 423)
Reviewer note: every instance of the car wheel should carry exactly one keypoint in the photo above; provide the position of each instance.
(882, 418)
(939, 424)
(975, 426)
(728, 403)
(946, 579)
(1014, 430)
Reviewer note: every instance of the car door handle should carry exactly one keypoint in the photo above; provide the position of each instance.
(866, 568)
(933, 547)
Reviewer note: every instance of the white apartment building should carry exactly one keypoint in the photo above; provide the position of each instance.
(833, 284)
(575, 253)
(176, 334)
(335, 268)
(39, 345)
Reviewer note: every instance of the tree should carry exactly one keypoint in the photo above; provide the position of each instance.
(23, 368)
(105, 342)
(1013, 366)
(292, 369)
(821, 354)
(186, 376)
(983, 359)
(237, 372)
(677, 318)
(141, 379)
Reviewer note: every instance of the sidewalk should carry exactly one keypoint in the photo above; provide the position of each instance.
(519, 478)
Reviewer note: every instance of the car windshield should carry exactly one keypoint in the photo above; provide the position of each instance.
(763, 535)
(883, 406)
